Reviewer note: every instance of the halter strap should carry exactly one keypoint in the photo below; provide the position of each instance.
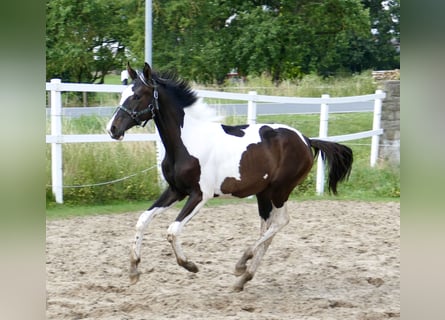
(153, 107)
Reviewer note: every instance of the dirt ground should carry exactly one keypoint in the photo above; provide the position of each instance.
(334, 260)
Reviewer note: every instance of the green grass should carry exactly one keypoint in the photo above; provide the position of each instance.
(70, 210)
(113, 79)
(63, 211)
(74, 210)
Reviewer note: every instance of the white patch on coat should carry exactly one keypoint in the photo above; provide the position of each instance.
(202, 111)
(128, 91)
(219, 153)
(108, 128)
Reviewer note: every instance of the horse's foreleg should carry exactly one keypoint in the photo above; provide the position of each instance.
(167, 199)
(192, 206)
(277, 220)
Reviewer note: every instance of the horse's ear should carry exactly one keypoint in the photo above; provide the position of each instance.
(147, 71)
(133, 75)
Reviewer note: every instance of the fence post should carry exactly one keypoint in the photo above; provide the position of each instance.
(56, 148)
(376, 126)
(323, 133)
(251, 108)
(160, 154)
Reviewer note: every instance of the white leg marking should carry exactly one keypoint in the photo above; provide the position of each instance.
(172, 235)
(144, 219)
(277, 220)
(174, 228)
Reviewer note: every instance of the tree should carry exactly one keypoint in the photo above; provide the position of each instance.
(203, 40)
(85, 39)
(290, 38)
(383, 50)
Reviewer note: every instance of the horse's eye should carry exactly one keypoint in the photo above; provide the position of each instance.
(136, 97)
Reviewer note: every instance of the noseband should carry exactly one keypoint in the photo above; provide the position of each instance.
(151, 108)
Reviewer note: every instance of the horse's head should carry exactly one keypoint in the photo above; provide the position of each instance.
(138, 103)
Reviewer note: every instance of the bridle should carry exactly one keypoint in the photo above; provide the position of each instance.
(152, 107)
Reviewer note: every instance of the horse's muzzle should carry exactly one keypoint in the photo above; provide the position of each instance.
(114, 134)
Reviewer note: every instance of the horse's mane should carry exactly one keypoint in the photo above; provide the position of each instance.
(185, 96)
(178, 88)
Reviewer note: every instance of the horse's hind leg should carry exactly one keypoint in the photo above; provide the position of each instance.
(265, 208)
(277, 220)
(254, 264)
(241, 265)
(166, 200)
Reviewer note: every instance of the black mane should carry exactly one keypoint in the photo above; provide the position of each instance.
(177, 88)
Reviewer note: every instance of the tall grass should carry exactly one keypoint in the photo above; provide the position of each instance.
(87, 165)
(94, 163)
(311, 85)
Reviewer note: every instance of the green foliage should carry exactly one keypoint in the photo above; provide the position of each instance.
(385, 22)
(285, 39)
(85, 39)
(202, 40)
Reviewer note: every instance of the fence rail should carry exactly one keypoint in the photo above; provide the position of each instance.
(57, 139)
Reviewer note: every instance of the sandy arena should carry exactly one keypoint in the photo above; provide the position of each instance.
(334, 260)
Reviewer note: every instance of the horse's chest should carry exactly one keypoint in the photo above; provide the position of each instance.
(182, 171)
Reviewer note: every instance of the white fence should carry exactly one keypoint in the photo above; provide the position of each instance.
(57, 139)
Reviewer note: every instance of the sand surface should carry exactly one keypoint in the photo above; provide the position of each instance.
(334, 260)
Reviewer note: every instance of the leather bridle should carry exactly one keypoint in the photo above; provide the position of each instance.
(152, 107)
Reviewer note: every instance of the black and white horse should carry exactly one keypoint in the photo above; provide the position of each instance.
(205, 159)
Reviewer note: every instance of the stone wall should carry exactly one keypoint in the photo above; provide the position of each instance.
(386, 75)
(389, 150)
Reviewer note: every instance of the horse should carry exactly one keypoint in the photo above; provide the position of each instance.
(206, 159)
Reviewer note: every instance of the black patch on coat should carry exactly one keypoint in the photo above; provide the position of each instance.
(236, 131)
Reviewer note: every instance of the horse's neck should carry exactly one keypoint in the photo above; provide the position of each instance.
(169, 128)
(172, 124)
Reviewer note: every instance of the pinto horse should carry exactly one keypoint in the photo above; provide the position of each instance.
(205, 159)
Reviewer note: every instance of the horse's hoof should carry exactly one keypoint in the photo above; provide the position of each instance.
(190, 266)
(239, 270)
(134, 277)
(238, 288)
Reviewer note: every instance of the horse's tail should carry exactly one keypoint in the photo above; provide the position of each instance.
(339, 158)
